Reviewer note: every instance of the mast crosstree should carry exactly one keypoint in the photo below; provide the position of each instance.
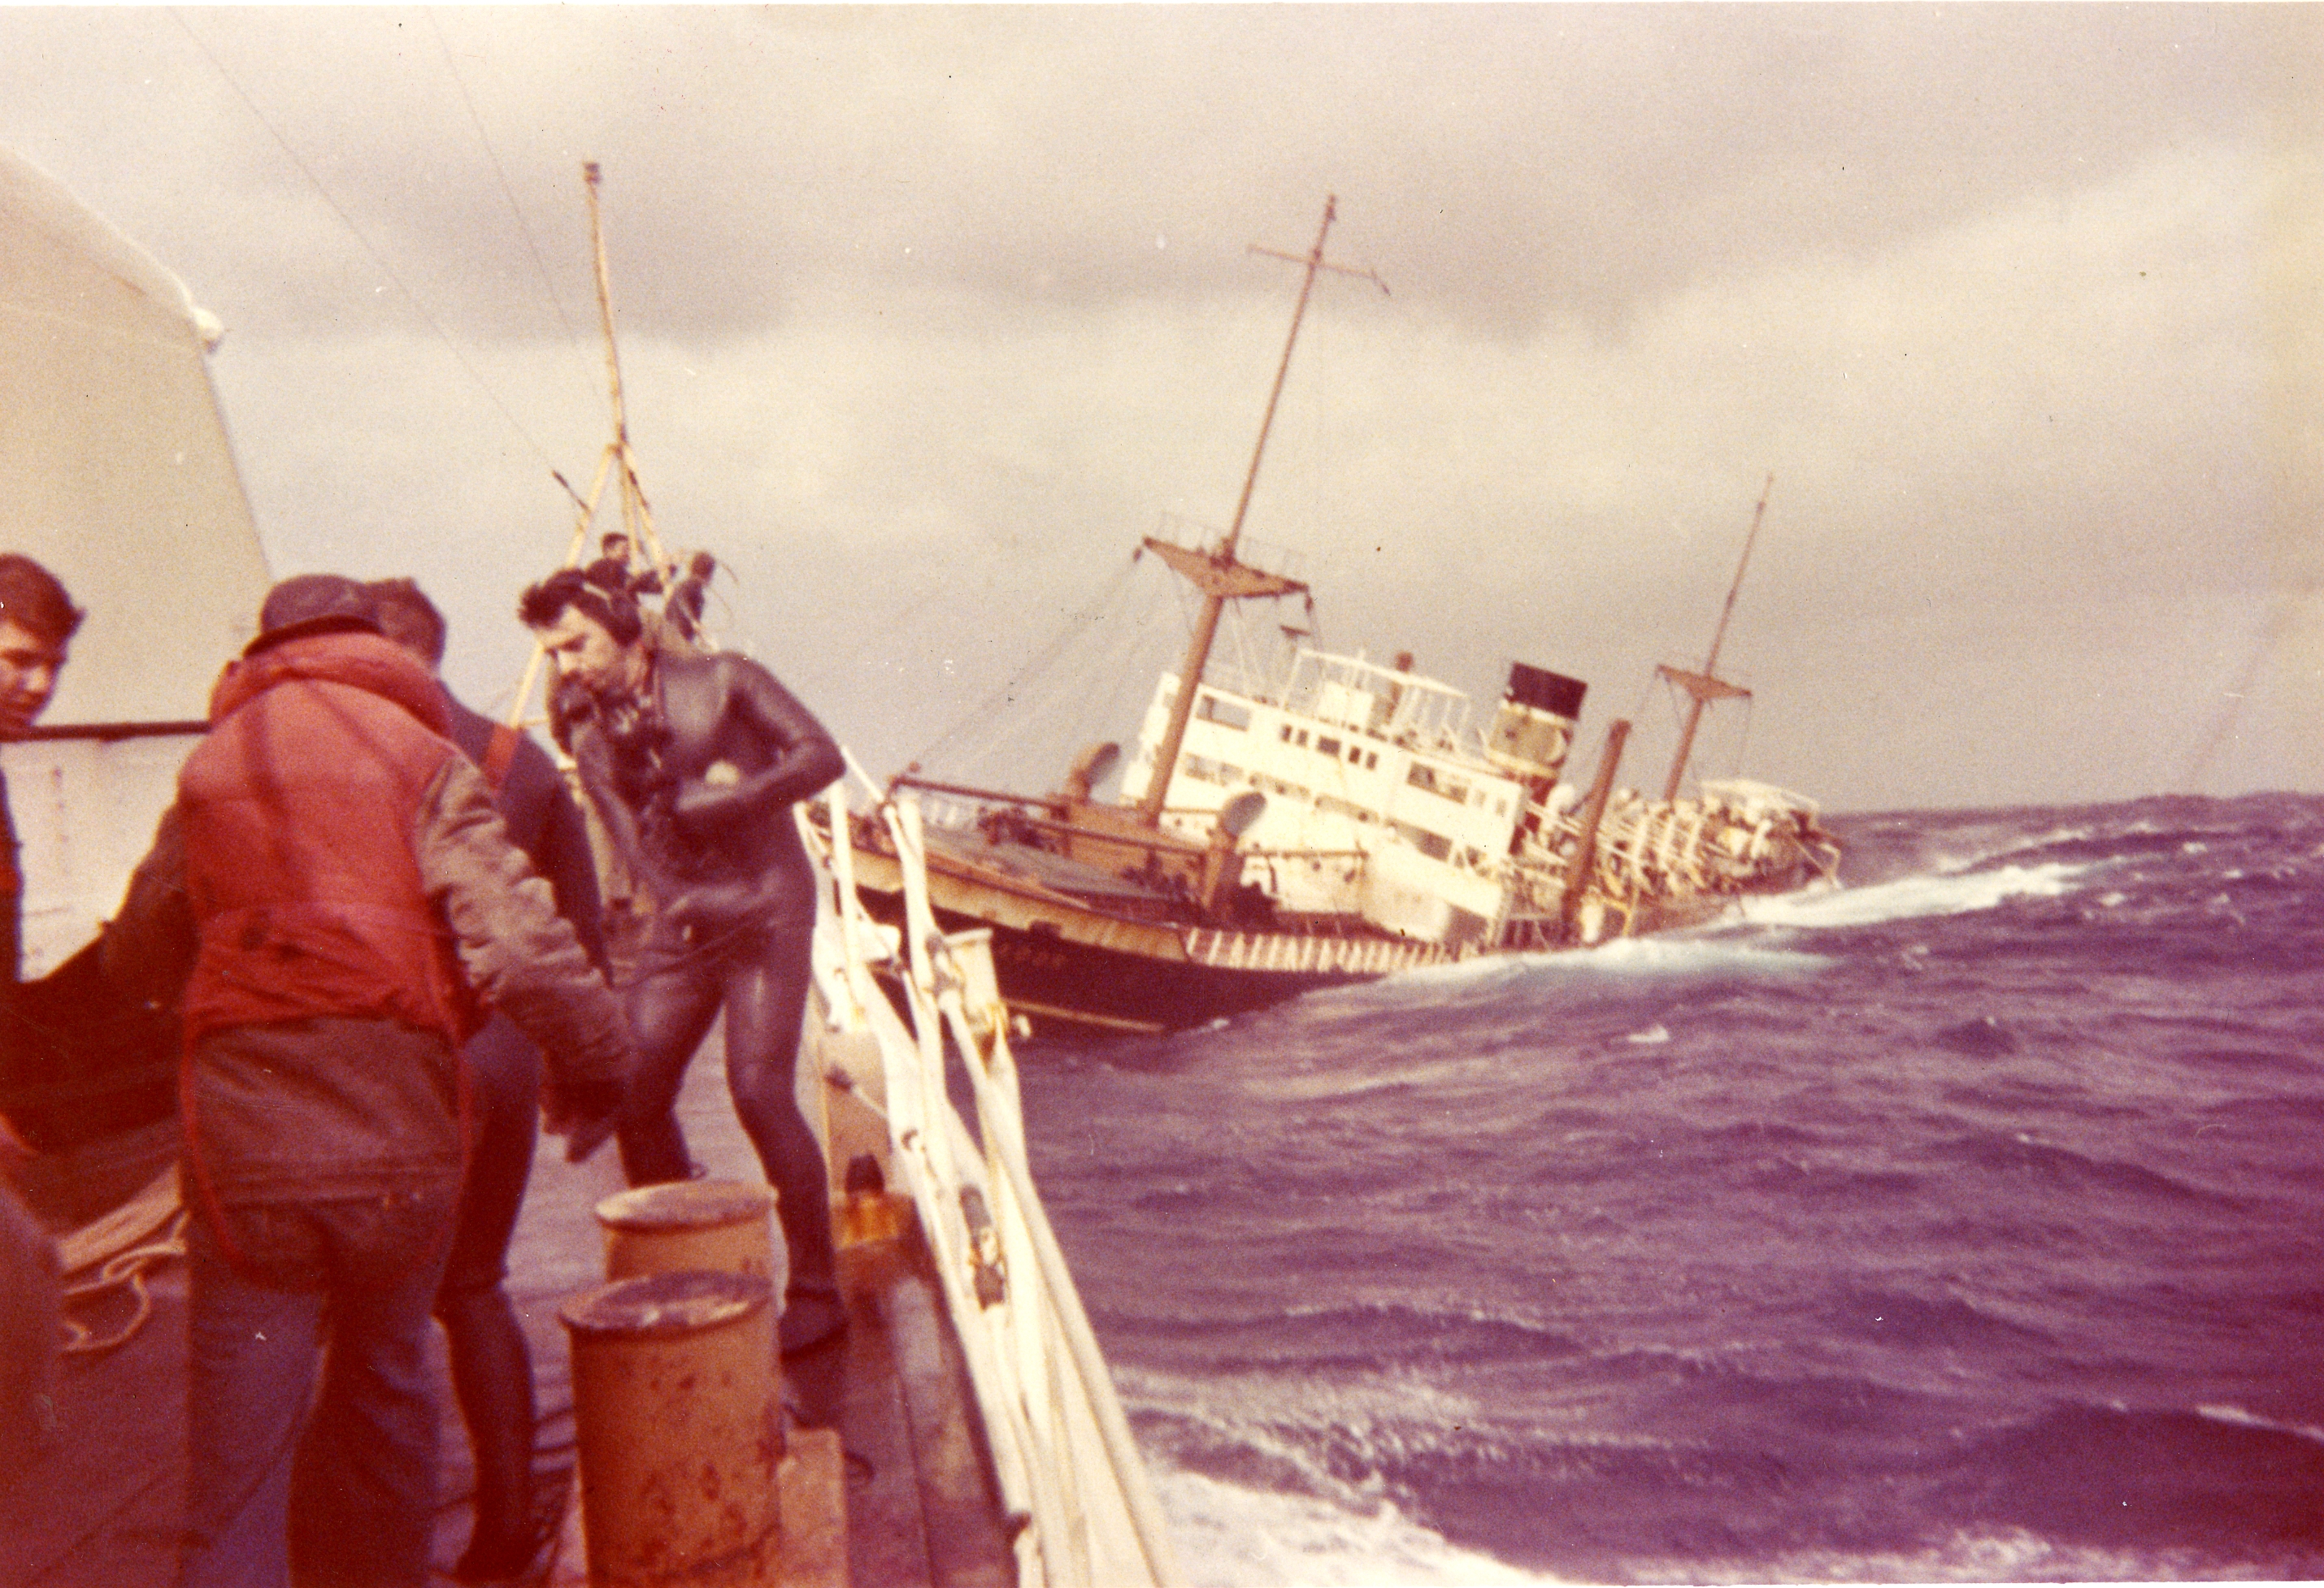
(1216, 573)
(1703, 687)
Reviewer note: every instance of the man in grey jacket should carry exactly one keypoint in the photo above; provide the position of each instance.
(340, 899)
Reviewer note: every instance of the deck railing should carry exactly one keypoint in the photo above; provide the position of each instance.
(1062, 1455)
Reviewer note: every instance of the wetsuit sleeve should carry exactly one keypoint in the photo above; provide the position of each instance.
(519, 954)
(806, 758)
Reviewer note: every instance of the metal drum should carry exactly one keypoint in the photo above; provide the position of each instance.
(692, 1225)
(677, 1411)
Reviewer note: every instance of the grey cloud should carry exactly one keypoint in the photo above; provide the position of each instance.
(935, 310)
(1503, 164)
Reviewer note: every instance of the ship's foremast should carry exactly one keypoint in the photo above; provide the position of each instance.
(1216, 573)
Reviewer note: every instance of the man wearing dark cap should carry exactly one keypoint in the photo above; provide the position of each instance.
(348, 898)
(491, 1373)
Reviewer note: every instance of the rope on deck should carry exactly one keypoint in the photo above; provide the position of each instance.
(115, 1251)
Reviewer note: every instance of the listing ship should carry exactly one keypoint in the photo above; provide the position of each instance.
(1340, 821)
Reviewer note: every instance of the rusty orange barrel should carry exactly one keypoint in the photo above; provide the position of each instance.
(677, 1412)
(692, 1225)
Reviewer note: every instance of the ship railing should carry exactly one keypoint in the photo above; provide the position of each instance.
(1321, 953)
(959, 805)
(1646, 851)
(1672, 850)
(1068, 1470)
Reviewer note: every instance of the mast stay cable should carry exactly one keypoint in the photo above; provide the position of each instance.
(434, 326)
(483, 139)
(1078, 623)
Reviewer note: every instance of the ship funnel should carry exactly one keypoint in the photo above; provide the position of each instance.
(1533, 728)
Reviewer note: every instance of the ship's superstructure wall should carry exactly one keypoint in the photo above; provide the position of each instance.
(117, 475)
(1378, 804)
(114, 473)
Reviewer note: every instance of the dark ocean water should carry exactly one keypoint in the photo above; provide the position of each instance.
(1960, 1224)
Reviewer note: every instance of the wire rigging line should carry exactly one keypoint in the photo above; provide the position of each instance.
(1076, 624)
(531, 244)
(348, 221)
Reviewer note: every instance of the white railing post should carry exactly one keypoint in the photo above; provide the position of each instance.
(1062, 1455)
(1081, 1340)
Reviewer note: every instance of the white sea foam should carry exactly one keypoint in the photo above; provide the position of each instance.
(2238, 1416)
(1663, 954)
(1909, 897)
(1228, 1536)
(1231, 1537)
(1297, 1087)
(2004, 1556)
(2009, 842)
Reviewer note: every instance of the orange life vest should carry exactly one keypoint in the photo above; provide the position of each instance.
(299, 810)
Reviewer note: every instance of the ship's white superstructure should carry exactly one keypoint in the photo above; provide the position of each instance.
(1380, 799)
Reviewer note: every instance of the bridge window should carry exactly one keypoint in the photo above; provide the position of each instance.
(1441, 783)
(1434, 844)
(1225, 714)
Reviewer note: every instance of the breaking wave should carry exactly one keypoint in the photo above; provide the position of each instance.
(1955, 1225)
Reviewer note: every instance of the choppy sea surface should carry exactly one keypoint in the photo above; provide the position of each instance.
(1962, 1223)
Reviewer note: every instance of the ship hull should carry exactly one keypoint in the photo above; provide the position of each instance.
(1073, 970)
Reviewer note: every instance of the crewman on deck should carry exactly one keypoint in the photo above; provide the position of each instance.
(693, 762)
(348, 898)
(37, 623)
(491, 1371)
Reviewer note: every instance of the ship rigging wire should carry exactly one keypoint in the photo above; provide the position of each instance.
(1080, 619)
(2228, 718)
(524, 228)
(322, 189)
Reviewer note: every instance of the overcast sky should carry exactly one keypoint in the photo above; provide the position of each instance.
(927, 315)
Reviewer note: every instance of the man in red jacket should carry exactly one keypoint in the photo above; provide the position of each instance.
(350, 899)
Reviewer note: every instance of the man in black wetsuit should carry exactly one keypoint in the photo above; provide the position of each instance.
(693, 762)
(491, 1373)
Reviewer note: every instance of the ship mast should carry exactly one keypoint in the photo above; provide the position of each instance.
(617, 462)
(1216, 572)
(1706, 686)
